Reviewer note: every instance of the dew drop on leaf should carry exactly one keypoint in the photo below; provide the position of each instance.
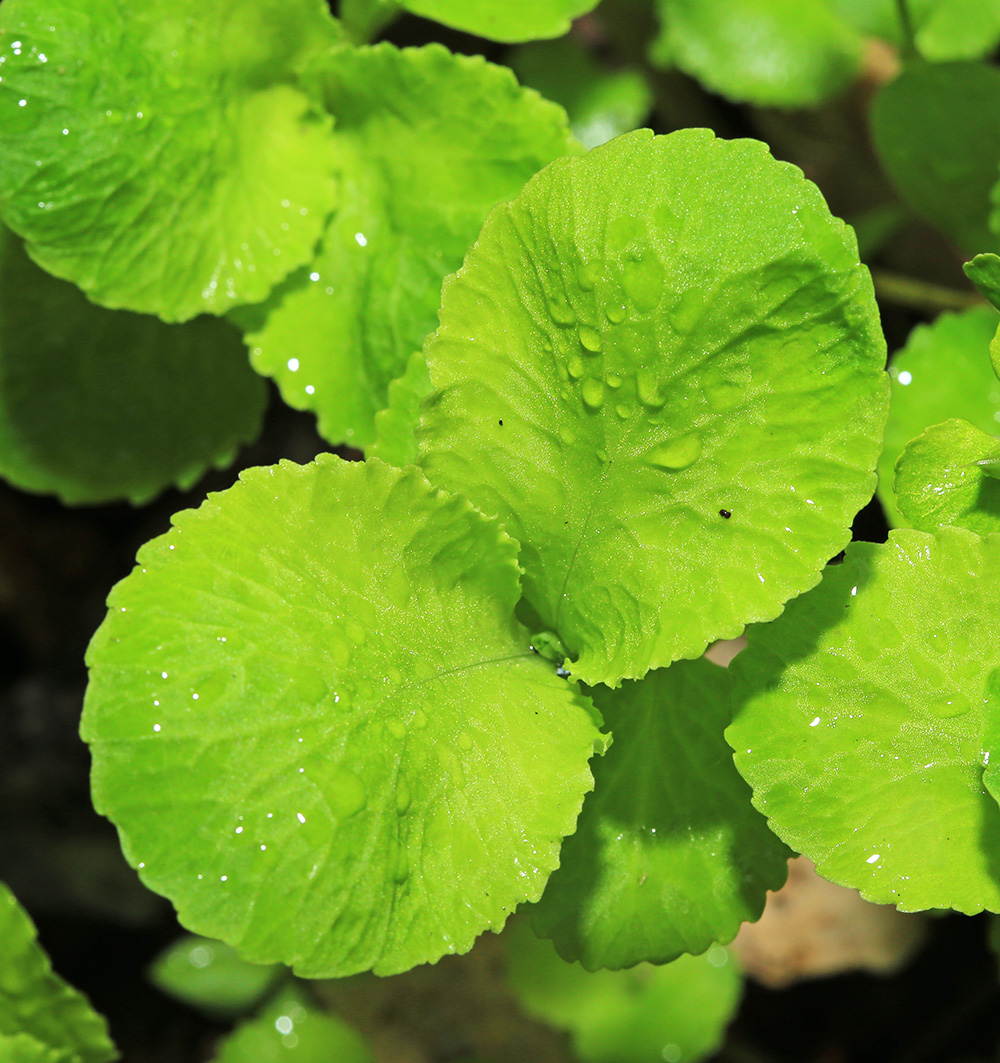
(593, 392)
(677, 454)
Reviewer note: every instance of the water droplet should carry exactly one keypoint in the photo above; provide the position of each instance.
(403, 795)
(685, 313)
(588, 275)
(676, 454)
(593, 392)
(576, 367)
(465, 740)
(568, 436)
(310, 686)
(643, 282)
(648, 389)
(615, 313)
(561, 312)
(345, 793)
(420, 718)
(623, 411)
(947, 706)
(613, 380)
(590, 339)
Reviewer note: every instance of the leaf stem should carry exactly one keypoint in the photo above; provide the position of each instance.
(922, 295)
(909, 47)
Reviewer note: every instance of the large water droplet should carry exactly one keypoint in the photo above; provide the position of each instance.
(590, 339)
(576, 367)
(345, 793)
(615, 313)
(588, 275)
(684, 314)
(949, 705)
(676, 454)
(648, 388)
(561, 312)
(592, 391)
(643, 282)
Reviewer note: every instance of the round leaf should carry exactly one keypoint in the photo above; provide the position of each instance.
(319, 729)
(934, 132)
(669, 855)
(428, 143)
(778, 53)
(164, 162)
(942, 478)
(102, 404)
(510, 21)
(661, 366)
(943, 372)
(858, 721)
(677, 1012)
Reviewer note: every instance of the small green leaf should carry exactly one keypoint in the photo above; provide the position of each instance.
(164, 162)
(669, 855)
(778, 53)
(934, 132)
(290, 1031)
(510, 20)
(661, 367)
(101, 404)
(984, 272)
(943, 372)
(859, 717)
(319, 729)
(956, 29)
(947, 476)
(210, 976)
(38, 1004)
(601, 102)
(428, 143)
(677, 1012)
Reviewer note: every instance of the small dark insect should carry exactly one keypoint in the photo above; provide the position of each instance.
(725, 513)
(501, 422)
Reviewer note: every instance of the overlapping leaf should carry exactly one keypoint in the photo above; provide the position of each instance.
(101, 404)
(165, 162)
(319, 728)
(669, 855)
(945, 476)
(511, 21)
(428, 142)
(41, 1017)
(943, 29)
(859, 721)
(661, 367)
(783, 53)
(934, 133)
(943, 372)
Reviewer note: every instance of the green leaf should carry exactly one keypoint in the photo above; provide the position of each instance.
(164, 162)
(290, 1031)
(934, 133)
(858, 721)
(669, 855)
(395, 426)
(210, 976)
(39, 1004)
(319, 728)
(956, 29)
(99, 404)
(778, 53)
(24, 1049)
(428, 142)
(984, 272)
(661, 367)
(991, 740)
(677, 1012)
(601, 103)
(941, 479)
(943, 372)
(510, 21)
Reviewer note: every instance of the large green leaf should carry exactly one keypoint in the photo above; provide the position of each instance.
(319, 728)
(780, 53)
(100, 404)
(428, 142)
(943, 372)
(676, 1012)
(943, 29)
(164, 161)
(934, 133)
(859, 716)
(944, 477)
(661, 366)
(37, 1005)
(507, 20)
(669, 855)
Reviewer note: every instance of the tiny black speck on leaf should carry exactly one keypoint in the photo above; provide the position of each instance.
(725, 513)
(501, 422)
